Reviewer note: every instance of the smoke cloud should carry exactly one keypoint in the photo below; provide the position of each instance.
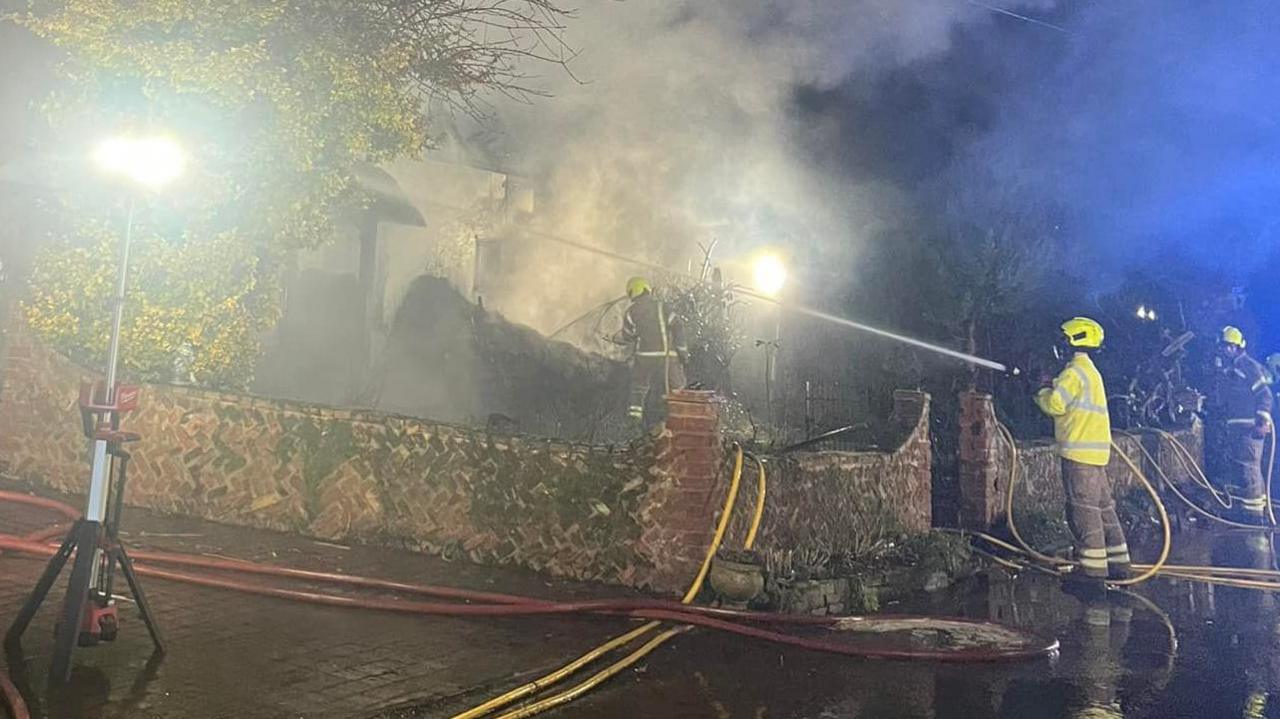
(681, 126)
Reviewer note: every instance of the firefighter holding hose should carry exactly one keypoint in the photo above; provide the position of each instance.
(660, 353)
(1241, 407)
(1077, 401)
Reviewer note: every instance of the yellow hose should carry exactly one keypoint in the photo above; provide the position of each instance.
(761, 488)
(1193, 468)
(1208, 574)
(721, 526)
(1164, 523)
(1243, 571)
(556, 676)
(1196, 572)
(596, 679)
(572, 667)
(1014, 467)
(577, 691)
(1186, 500)
(1224, 581)
(1151, 490)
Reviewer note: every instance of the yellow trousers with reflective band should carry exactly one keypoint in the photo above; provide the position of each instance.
(1091, 513)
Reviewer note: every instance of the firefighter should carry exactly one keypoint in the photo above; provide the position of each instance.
(660, 354)
(1241, 408)
(1077, 401)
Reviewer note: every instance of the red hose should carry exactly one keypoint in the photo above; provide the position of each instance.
(13, 700)
(604, 606)
(510, 605)
(52, 505)
(249, 567)
(642, 609)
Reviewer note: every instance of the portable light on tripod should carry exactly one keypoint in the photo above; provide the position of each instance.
(88, 611)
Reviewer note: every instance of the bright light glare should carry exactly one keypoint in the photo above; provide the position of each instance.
(1146, 313)
(149, 161)
(769, 275)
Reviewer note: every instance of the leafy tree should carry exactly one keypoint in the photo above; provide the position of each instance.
(277, 101)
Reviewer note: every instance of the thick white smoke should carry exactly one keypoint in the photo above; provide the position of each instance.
(676, 129)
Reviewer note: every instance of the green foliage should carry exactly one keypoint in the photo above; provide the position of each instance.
(197, 299)
(277, 102)
(714, 331)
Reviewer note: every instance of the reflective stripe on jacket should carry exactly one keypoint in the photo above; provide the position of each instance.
(1077, 401)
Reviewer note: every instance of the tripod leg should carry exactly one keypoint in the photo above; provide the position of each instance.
(77, 595)
(51, 571)
(126, 567)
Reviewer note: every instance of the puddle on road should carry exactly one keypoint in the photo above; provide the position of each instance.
(1177, 650)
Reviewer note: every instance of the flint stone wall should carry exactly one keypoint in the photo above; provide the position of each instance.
(640, 514)
(835, 500)
(587, 512)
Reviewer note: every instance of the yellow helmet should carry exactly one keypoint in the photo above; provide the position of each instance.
(1083, 332)
(1233, 336)
(637, 286)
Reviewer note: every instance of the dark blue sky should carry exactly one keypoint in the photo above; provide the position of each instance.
(1151, 124)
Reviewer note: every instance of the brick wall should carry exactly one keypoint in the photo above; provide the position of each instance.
(985, 466)
(680, 513)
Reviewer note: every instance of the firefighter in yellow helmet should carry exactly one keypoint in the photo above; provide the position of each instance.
(1077, 401)
(1240, 406)
(657, 336)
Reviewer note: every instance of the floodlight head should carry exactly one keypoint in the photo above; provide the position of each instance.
(151, 162)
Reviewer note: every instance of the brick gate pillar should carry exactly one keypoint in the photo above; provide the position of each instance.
(681, 509)
(981, 483)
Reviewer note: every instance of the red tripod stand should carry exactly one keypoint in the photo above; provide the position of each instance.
(89, 612)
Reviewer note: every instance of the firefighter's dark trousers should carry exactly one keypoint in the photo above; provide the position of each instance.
(1243, 454)
(651, 379)
(1098, 665)
(1091, 512)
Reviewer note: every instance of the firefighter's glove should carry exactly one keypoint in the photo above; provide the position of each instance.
(1046, 380)
(1262, 425)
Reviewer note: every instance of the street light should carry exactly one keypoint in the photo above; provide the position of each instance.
(769, 274)
(148, 163)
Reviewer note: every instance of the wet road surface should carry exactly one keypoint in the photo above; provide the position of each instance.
(1198, 652)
